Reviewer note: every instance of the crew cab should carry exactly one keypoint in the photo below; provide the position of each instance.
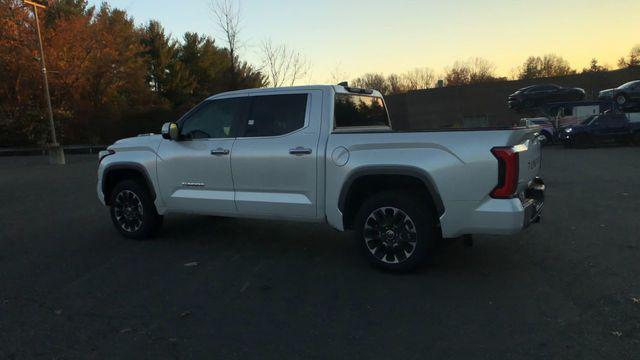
(610, 127)
(326, 154)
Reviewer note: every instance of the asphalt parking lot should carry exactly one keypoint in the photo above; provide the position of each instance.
(71, 287)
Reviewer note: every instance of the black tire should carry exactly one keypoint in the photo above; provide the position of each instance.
(132, 210)
(395, 230)
(547, 139)
(621, 99)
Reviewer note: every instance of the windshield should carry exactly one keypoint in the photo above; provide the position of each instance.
(629, 84)
(588, 120)
(359, 110)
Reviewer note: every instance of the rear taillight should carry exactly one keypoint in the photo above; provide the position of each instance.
(508, 169)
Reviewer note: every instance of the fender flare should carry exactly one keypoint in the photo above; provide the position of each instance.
(393, 170)
(129, 166)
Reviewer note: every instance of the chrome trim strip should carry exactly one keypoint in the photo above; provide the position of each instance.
(192, 184)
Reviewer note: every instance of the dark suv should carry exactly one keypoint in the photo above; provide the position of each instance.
(601, 128)
(538, 95)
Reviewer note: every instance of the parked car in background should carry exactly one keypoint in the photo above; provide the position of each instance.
(548, 131)
(601, 128)
(623, 94)
(537, 95)
(574, 112)
(326, 154)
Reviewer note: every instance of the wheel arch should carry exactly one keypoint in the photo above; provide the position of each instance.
(115, 173)
(364, 182)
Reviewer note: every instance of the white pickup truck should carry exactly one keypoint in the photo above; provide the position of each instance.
(326, 154)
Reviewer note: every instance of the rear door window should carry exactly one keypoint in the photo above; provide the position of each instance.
(273, 115)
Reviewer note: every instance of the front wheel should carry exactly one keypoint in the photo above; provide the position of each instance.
(621, 99)
(132, 210)
(395, 230)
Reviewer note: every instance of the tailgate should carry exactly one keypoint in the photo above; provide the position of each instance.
(529, 150)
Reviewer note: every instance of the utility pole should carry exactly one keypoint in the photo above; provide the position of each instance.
(56, 153)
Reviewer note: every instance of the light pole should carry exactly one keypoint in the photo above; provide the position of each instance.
(56, 153)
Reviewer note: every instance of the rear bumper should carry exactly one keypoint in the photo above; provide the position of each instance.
(494, 216)
(533, 202)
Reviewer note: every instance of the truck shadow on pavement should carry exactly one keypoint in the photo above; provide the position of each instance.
(304, 243)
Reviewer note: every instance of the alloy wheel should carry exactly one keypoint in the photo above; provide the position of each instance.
(128, 211)
(390, 235)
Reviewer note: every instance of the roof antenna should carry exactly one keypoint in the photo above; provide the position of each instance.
(344, 83)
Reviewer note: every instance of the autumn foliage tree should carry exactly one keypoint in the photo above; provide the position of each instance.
(108, 77)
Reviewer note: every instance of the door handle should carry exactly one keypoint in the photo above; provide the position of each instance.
(300, 151)
(220, 151)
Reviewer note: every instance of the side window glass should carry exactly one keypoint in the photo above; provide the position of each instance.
(214, 119)
(274, 115)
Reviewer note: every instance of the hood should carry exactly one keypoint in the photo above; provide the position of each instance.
(575, 127)
(139, 142)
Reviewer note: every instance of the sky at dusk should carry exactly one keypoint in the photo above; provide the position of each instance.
(354, 37)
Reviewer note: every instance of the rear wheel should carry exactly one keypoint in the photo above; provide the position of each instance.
(132, 210)
(395, 230)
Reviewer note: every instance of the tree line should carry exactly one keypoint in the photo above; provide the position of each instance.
(479, 70)
(110, 77)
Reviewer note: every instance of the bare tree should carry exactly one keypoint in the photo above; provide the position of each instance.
(227, 17)
(282, 66)
(547, 66)
(472, 71)
(373, 81)
(396, 84)
(337, 75)
(418, 78)
(482, 70)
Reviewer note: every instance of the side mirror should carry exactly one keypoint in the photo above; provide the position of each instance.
(170, 131)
